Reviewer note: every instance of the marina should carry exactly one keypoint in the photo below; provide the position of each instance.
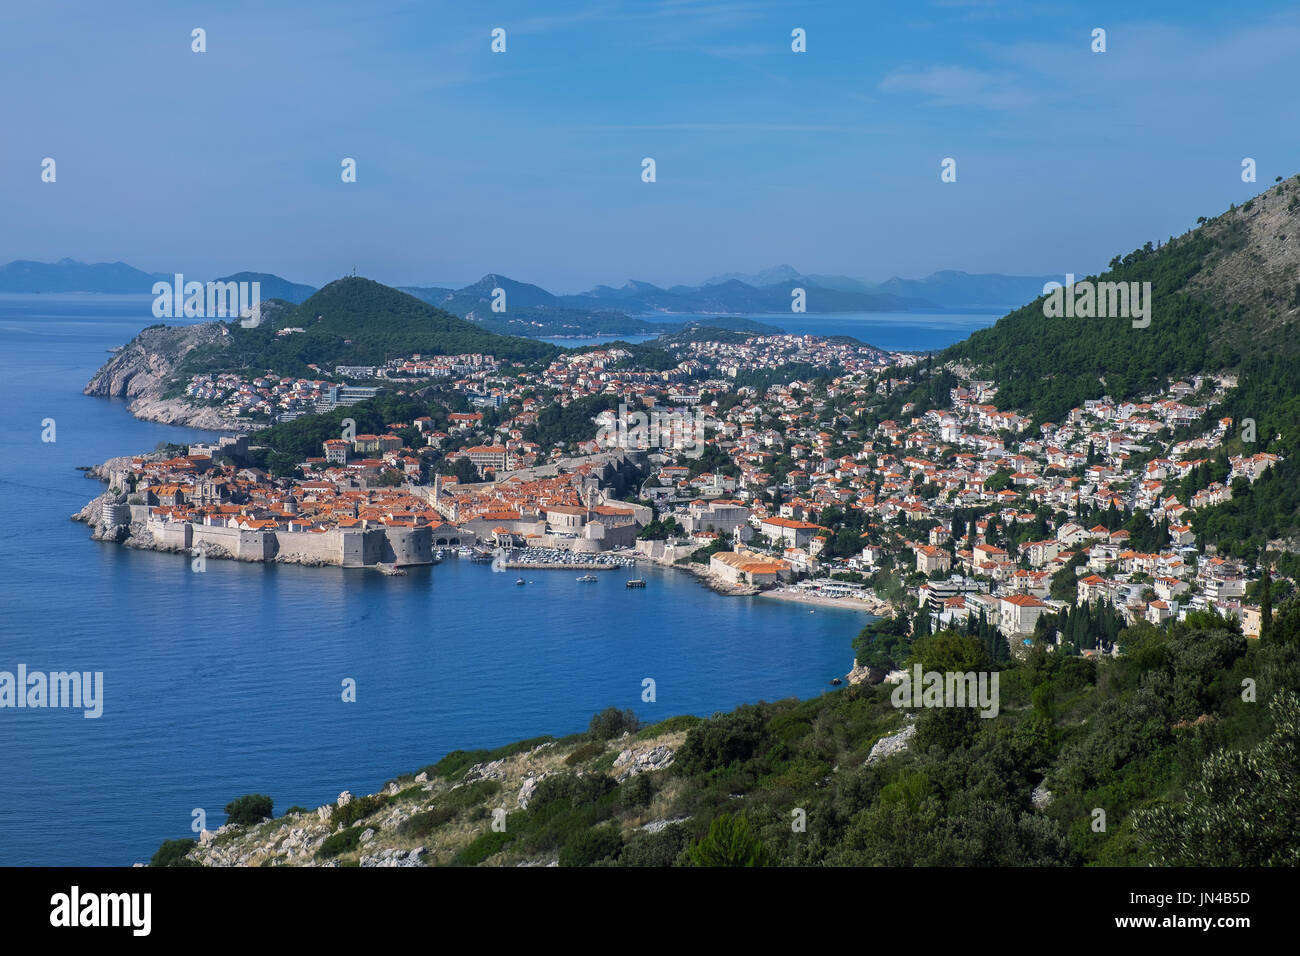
(554, 559)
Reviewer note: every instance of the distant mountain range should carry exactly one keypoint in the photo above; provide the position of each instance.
(629, 309)
(531, 310)
(736, 296)
(118, 278)
(272, 287)
(68, 275)
(949, 289)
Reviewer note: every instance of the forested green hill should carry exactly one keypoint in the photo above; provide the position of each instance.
(1225, 298)
(355, 321)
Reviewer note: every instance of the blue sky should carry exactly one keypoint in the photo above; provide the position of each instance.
(528, 162)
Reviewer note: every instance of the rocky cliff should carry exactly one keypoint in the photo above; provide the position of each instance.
(145, 365)
(144, 369)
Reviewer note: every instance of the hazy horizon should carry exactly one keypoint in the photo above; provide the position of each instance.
(458, 284)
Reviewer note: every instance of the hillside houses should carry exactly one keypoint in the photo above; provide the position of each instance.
(828, 474)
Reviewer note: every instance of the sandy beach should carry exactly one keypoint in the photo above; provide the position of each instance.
(873, 606)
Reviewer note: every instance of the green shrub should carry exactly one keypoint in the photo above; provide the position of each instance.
(249, 809)
(590, 846)
(577, 791)
(722, 741)
(172, 853)
(586, 752)
(296, 809)
(636, 792)
(655, 849)
(670, 726)
(1241, 807)
(342, 842)
(471, 795)
(484, 846)
(357, 809)
(420, 825)
(612, 722)
(730, 842)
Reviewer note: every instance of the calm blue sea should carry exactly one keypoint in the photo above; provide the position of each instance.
(229, 681)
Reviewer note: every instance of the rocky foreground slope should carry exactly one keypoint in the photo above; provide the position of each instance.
(446, 814)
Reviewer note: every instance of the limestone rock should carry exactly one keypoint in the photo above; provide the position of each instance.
(526, 791)
(894, 744)
(861, 674)
(654, 826)
(630, 762)
(494, 770)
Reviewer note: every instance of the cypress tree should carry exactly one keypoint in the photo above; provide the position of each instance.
(1265, 605)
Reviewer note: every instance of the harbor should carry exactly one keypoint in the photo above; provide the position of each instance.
(554, 559)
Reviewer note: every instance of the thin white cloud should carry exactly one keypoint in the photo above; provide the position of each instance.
(960, 86)
(773, 127)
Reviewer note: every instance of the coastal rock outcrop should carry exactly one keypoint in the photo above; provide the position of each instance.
(862, 674)
(147, 362)
(144, 368)
(177, 411)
